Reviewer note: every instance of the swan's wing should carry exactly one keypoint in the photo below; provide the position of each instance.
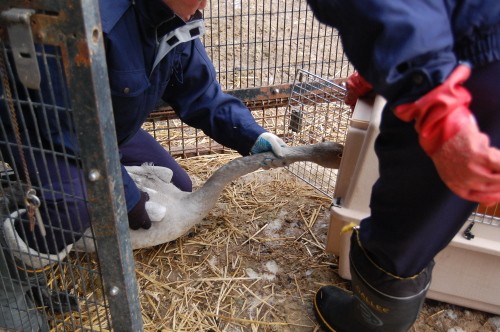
(150, 176)
(163, 174)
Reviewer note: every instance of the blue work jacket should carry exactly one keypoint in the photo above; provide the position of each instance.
(185, 78)
(406, 48)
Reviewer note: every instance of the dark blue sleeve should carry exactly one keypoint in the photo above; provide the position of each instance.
(198, 99)
(404, 48)
(132, 193)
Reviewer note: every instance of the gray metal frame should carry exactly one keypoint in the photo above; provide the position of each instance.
(74, 27)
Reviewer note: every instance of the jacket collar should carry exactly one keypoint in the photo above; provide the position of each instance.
(155, 12)
(111, 11)
(157, 15)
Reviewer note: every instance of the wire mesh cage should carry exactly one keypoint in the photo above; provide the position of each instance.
(261, 44)
(51, 176)
(286, 67)
(41, 277)
(257, 49)
(313, 112)
(316, 113)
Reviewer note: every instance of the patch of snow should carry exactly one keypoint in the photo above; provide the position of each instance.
(268, 277)
(495, 321)
(272, 267)
(456, 329)
(273, 226)
(213, 261)
(451, 314)
(251, 273)
(265, 276)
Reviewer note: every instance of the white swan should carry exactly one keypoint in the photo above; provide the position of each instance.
(179, 211)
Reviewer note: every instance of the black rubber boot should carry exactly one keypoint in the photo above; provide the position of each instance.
(56, 302)
(379, 301)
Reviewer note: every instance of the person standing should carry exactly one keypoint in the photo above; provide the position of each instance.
(437, 63)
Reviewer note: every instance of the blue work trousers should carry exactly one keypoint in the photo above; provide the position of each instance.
(413, 214)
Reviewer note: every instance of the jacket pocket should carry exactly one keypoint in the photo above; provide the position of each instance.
(128, 83)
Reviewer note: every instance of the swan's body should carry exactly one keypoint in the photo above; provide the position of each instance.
(174, 212)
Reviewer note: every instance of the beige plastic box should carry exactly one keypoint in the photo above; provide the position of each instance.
(467, 272)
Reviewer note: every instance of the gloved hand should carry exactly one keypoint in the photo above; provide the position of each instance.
(138, 217)
(357, 87)
(268, 142)
(449, 134)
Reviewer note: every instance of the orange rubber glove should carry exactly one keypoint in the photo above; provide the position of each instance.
(449, 134)
(357, 87)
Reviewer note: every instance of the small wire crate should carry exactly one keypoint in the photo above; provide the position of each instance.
(316, 113)
(466, 271)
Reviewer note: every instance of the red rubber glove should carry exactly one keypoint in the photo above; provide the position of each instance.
(449, 134)
(138, 217)
(357, 87)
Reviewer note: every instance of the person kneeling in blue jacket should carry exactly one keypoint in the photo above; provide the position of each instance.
(153, 54)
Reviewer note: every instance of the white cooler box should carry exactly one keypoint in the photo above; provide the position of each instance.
(467, 272)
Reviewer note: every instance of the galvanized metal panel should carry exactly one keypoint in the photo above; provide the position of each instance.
(72, 29)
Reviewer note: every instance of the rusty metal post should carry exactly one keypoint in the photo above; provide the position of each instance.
(73, 28)
(91, 92)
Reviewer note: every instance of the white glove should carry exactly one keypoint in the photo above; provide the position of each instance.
(156, 182)
(268, 142)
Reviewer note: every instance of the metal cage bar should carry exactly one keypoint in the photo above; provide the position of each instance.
(263, 43)
(60, 43)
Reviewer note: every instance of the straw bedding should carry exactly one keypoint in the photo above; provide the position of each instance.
(253, 264)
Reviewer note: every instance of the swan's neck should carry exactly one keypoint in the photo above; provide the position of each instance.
(325, 154)
(209, 193)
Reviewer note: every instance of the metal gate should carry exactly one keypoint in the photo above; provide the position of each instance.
(52, 62)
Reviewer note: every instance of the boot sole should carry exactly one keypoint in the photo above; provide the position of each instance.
(322, 322)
